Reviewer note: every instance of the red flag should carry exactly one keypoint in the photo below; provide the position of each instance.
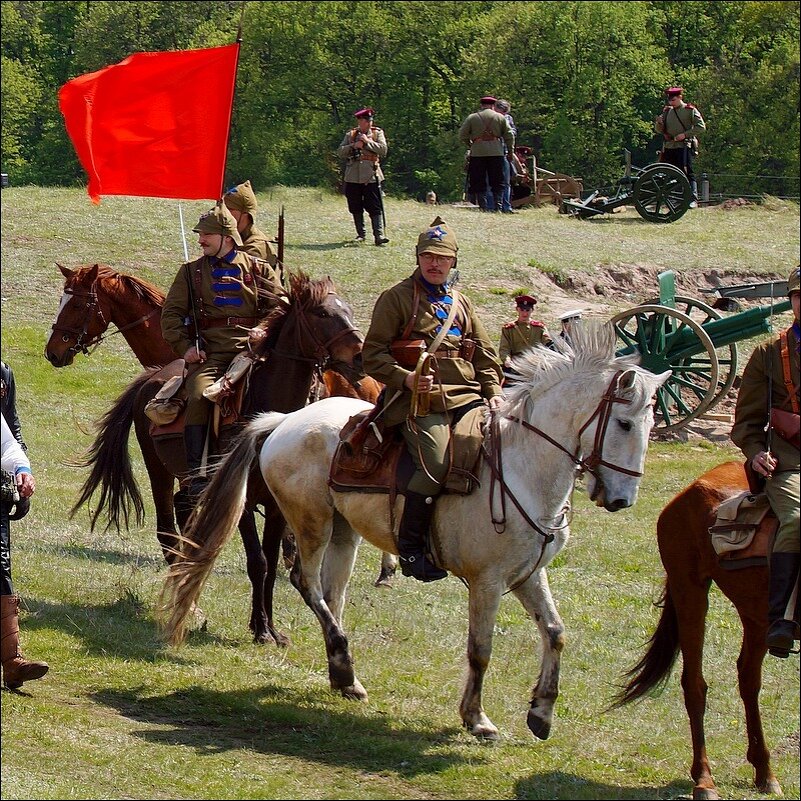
(154, 125)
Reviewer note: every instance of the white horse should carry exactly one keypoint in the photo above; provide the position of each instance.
(570, 412)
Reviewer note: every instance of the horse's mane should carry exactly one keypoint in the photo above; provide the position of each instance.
(303, 293)
(143, 290)
(540, 368)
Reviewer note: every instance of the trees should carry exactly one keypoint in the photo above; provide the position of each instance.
(585, 80)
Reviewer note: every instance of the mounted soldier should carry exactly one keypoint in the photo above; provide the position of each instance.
(362, 148)
(241, 202)
(419, 324)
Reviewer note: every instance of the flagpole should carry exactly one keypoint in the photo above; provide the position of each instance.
(233, 95)
(183, 231)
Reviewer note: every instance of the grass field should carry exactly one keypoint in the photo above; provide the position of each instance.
(121, 716)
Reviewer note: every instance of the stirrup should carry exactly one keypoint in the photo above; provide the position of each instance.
(422, 568)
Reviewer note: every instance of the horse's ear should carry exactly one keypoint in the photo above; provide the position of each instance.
(65, 271)
(662, 377)
(92, 274)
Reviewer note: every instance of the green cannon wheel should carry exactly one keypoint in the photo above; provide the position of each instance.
(668, 339)
(727, 354)
(661, 193)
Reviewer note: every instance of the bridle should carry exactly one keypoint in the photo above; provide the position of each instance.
(93, 312)
(493, 455)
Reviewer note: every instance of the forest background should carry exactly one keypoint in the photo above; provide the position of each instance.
(585, 80)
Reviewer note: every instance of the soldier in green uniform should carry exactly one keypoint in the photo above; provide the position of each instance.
(771, 380)
(209, 308)
(680, 124)
(466, 375)
(488, 136)
(241, 202)
(362, 148)
(523, 333)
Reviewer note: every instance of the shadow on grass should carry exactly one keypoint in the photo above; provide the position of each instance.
(555, 784)
(123, 628)
(112, 556)
(324, 246)
(276, 720)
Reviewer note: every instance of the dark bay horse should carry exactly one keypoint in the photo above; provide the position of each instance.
(313, 326)
(692, 565)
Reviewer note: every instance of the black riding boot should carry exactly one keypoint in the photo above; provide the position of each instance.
(783, 575)
(414, 527)
(358, 221)
(195, 442)
(378, 230)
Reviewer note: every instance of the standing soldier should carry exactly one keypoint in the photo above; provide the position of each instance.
(680, 124)
(241, 202)
(210, 307)
(363, 148)
(488, 135)
(524, 333)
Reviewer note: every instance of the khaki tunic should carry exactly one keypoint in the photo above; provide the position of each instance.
(685, 119)
(750, 416)
(460, 381)
(486, 132)
(257, 243)
(519, 336)
(358, 169)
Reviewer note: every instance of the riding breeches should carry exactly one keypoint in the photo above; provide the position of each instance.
(200, 377)
(784, 494)
(428, 440)
(364, 197)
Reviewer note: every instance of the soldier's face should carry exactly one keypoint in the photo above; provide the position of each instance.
(435, 267)
(211, 244)
(795, 302)
(523, 313)
(364, 124)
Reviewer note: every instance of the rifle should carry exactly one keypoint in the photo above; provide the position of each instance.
(190, 284)
(280, 257)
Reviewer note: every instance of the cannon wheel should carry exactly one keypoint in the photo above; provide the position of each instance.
(691, 388)
(727, 354)
(661, 193)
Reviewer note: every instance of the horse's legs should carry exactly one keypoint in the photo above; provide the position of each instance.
(692, 601)
(389, 565)
(305, 577)
(485, 598)
(749, 676)
(257, 571)
(338, 563)
(272, 537)
(535, 595)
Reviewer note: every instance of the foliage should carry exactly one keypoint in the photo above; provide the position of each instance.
(585, 81)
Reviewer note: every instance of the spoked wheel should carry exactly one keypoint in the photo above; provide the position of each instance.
(726, 354)
(668, 339)
(662, 193)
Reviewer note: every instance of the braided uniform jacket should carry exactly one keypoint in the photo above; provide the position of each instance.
(460, 381)
(232, 294)
(670, 123)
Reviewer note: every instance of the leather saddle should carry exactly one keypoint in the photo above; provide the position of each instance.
(743, 531)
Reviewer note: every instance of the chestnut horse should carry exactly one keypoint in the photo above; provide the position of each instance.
(314, 326)
(692, 565)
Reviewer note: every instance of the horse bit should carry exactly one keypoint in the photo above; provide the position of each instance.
(494, 458)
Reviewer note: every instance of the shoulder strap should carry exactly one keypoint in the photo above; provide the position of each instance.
(788, 381)
(407, 332)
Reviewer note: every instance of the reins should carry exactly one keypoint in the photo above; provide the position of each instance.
(494, 458)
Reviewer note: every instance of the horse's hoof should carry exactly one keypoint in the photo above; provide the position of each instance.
(482, 729)
(201, 622)
(281, 640)
(771, 786)
(355, 692)
(705, 794)
(540, 728)
(383, 581)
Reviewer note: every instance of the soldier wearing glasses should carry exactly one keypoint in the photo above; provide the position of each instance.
(465, 375)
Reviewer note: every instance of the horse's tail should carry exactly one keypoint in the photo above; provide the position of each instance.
(111, 463)
(210, 527)
(651, 673)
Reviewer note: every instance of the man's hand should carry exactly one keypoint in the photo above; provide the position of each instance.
(26, 484)
(495, 402)
(764, 463)
(424, 384)
(680, 137)
(195, 356)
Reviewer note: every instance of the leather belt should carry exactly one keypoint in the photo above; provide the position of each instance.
(448, 353)
(228, 322)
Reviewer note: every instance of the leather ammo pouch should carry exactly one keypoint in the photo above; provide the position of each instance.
(363, 443)
(406, 352)
(786, 425)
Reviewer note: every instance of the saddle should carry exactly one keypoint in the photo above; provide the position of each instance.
(743, 531)
(372, 457)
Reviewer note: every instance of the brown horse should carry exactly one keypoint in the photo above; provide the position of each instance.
(316, 325)
(692, 565)
(96, 296)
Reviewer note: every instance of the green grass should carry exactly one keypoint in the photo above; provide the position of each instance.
(122, 716)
